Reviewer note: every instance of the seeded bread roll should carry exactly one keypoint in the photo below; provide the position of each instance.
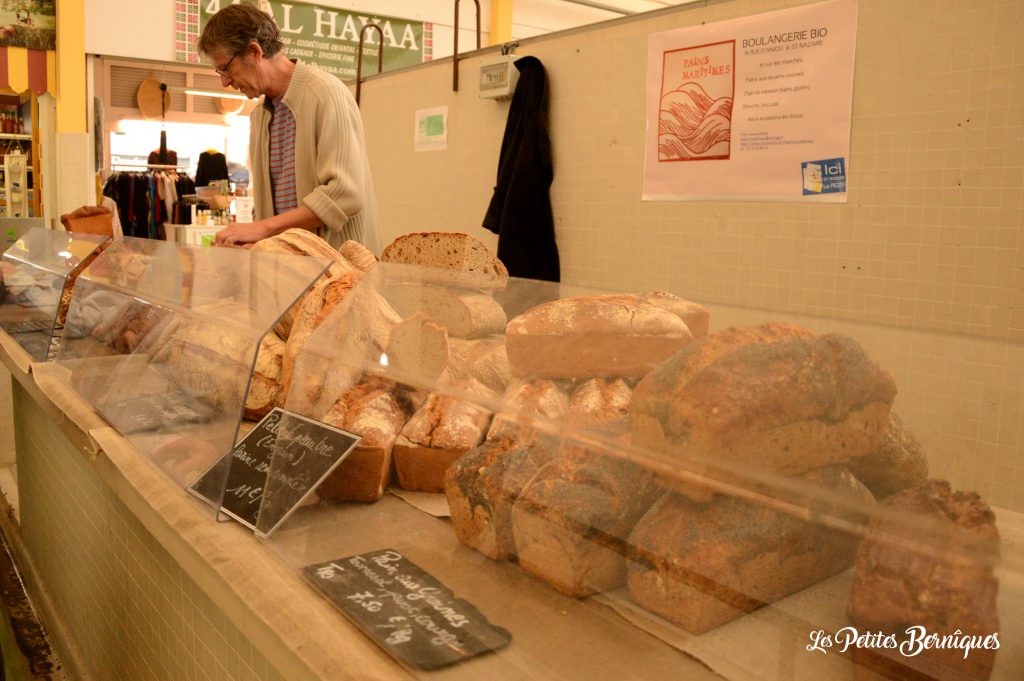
(375, 411)
(442, 429)
(483, 359)
(571, 522)
(593, 336)
(702, 565)
(524, 402)
(456, 259)
(928, 563)
(465, 314)
(481, 487)
(896, 464)
(265, 385)
(361, 257)
(776, 397)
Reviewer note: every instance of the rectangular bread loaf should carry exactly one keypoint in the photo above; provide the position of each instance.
(702, 565)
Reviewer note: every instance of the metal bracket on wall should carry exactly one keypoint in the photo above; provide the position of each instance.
(359, 61)
(455, 52)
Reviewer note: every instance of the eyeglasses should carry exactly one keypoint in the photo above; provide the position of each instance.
(223, 70)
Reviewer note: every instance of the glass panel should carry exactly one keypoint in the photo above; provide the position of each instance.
(625, 498)
(162, 338)
(37, 277)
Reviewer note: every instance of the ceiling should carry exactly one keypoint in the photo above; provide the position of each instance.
(629, 6)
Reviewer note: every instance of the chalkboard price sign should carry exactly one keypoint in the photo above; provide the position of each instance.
(273, 468)
(406, 611)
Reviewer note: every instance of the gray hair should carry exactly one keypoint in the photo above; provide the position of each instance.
(234, 27)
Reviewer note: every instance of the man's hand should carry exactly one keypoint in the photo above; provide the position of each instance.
(244, 233)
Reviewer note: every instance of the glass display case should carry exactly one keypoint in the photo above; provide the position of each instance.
(162, 340)
(593, 485)
(37, 277)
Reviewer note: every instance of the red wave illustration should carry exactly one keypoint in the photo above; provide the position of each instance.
(693, 125)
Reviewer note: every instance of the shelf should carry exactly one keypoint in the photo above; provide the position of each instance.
(14, 136)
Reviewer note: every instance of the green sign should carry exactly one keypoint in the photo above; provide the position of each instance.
(329, 37)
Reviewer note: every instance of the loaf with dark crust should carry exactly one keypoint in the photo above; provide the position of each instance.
(774, 397)
(593, 336)
(702, 565)
(928, 563)
(572, 521)
(481, 487)
(898, 462)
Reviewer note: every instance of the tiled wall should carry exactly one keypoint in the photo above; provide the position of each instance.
(930, 242)
(131, 610)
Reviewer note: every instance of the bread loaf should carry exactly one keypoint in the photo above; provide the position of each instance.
(208, 362)
(483, 359)
(928, 563)
(442, 429)
(898, 462)
(302, 242)
(593, 336)
(346, 342)
(361, 257)
(376, 412)
(464, 314)
(481, 487)
(523, 404)
(265, 386)
(315, 306)
(696, 316)
(775, 397)
(456, 259)
(417, 350)
(572, 521)
(601, 404)
(702, 565)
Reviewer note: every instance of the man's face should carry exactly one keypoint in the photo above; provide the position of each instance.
(237, 71)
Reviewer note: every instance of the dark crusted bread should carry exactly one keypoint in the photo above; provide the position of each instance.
(775, 397)
(702, 565)
(929, 563)
(481, 487)
(571, 522)
(896, 464)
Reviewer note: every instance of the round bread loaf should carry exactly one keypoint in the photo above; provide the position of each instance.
(896, 464)
(361, 257)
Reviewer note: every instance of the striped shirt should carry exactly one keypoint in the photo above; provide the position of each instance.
(282, 157)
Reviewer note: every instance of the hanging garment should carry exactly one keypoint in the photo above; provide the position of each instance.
(212, 166)
(520, 209)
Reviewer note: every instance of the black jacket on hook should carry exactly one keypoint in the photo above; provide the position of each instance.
(520, 209)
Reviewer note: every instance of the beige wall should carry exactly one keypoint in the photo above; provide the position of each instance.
(928, 252)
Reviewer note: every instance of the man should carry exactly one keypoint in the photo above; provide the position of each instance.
(306, 147)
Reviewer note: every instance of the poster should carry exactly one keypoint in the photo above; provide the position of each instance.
(328, 37)
(28, 23)
(431, 129)
(753, 109)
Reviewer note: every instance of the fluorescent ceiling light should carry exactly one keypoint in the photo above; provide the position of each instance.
(219, 94)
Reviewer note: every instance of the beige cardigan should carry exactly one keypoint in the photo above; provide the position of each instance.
(332, 173)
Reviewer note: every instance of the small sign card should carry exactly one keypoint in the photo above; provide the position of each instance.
(268, 474)
(406, 611)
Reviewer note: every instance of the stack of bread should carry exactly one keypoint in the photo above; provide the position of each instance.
(561, 507)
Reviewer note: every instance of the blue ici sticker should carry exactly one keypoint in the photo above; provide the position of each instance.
(824, 177)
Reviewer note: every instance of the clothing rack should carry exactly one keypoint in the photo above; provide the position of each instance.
(147, 166)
